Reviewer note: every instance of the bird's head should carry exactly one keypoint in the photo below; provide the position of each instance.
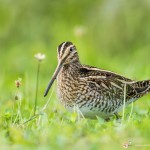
(67, 54)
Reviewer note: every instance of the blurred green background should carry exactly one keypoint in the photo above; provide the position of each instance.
(109, 34)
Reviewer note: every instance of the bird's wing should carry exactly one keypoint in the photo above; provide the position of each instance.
(107, 83)
(86, 71)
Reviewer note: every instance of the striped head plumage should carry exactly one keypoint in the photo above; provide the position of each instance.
(67, 53)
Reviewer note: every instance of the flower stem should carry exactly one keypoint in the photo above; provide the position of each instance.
(37, 83)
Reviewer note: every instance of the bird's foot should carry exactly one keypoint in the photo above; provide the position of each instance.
(107, 119)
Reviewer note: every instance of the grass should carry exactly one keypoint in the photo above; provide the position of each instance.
(116, 39)
(52, 127)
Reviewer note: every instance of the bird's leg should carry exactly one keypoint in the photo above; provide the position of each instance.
(117, 116)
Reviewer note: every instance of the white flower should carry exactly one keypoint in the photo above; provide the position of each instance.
(39, 56)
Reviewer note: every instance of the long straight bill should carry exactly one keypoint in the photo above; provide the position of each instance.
(53, 78)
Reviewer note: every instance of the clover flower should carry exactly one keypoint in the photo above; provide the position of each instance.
(39, 56)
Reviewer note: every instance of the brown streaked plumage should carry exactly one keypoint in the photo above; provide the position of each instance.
(94, 91)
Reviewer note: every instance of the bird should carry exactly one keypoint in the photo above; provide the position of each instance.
(94, 91)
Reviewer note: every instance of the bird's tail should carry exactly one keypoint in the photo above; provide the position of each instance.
(142, 87)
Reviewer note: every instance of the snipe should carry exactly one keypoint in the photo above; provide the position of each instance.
(94, 91)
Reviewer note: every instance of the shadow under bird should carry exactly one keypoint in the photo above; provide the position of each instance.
(95, 92)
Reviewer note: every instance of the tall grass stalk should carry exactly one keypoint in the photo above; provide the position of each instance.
(124, 103)
(19, 115)
(26, 90)
(45, 106)
(131, 111)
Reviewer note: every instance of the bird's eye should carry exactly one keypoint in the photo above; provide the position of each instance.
(71, 49)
